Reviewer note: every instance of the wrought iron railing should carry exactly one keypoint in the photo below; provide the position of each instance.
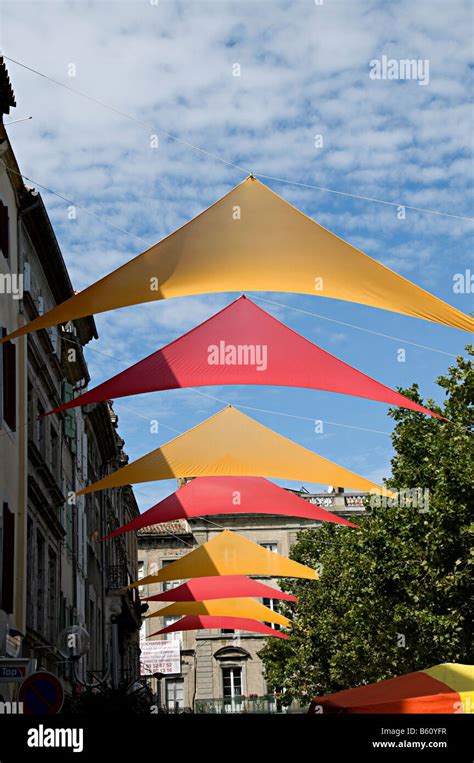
(265, 705)
(117, 576)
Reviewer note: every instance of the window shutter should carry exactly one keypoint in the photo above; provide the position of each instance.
(70, 416)
(6, 602)
(4, 230)
(9, 383)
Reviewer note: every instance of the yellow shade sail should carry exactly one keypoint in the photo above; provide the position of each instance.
(226, 608)
(253, 240)
(460, 678)
(229, 554)
(231, 443)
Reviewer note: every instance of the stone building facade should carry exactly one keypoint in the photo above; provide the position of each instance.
(221, 671)
(54, 570)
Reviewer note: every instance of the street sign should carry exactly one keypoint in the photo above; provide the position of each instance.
(41, 693)
(160, 657)
(15, 670)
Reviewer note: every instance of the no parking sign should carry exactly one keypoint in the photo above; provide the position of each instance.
(42, 694)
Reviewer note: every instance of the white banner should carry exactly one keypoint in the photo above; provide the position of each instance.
(160, 657)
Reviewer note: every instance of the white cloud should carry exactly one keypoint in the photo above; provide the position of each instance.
(304, 70)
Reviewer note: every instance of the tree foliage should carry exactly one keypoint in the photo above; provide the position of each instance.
(396, 595)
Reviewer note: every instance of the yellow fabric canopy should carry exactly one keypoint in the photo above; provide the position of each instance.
(229, 554)
(459, 678)
(231, 443)
(226, 608)
(253, 240)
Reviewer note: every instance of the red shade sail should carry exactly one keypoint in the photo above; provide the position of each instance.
(243, 344)
(227, 586)
(446, 688)
(213, 622)
(205, 496)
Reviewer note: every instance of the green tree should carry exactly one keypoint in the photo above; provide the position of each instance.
(396, 595)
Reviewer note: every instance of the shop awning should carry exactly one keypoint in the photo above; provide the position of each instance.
(446, 688)
(242, 344)
(229, 554)
(231, 443)
(253, 240)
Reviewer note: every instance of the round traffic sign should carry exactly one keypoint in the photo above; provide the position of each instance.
(41, 693)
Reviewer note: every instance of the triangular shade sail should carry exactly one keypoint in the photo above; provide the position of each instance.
(253, 240)
(209, 622)
(231, 443)
(242, 344)
(447, 688)
(225, 608)
(229, 554)
(224, 587)
(205, 496)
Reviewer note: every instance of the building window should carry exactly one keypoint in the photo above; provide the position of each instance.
(232, 688)
(141, 574)
(169, 584)
(174, 635)
(9, 383)
(7, 559)
(174, 688)
(4, 231)
(273, 605)
(270, 547)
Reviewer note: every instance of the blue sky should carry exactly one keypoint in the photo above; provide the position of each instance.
(304, 72)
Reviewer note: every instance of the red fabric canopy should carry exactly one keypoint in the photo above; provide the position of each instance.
(242, 344)
(213, 622)
(412, 693)
(205, 496)
(225, 587)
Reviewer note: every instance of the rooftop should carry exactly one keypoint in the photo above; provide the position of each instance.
(7, 96)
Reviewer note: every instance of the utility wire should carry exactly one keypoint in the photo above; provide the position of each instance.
(127, 116)
(281, 413)
(220, 158)
(363, 198)
(81, 206)
(352, 325)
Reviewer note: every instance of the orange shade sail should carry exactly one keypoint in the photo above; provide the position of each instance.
(225, 608)
(229, 554)
(253, 240)
(446, 688)
(231, 443)
(209, 622)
